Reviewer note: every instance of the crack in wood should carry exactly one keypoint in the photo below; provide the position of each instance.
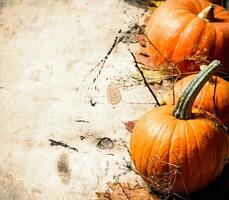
(82, 120)
(60, 143)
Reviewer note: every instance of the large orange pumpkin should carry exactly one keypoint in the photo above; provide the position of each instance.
(213, 97)
(188, 33)
(187, 147)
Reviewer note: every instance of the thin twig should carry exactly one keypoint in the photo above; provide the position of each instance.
(120, 185)
(144, 79)
(158, 183)
(102, 61)
(173, 88)
(214, 97)
(185, 188)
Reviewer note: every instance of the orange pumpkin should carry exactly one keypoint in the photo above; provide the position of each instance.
(188, 33)
(185, 146)
(213, 97)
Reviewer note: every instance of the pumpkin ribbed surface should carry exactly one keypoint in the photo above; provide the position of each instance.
(186, 39)
(160, 141)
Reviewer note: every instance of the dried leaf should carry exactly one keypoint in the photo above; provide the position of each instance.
(126, 191)
(155, 4)
(150, 75)
(158, 3)
(113, 94)
(129, 125)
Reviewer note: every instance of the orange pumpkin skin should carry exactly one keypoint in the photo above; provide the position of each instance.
(185, 39)
(186, 146)
(198, 146)
(205, 100)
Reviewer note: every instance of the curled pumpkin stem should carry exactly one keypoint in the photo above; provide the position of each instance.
(210, 80)
(208, 13)
(183, 109)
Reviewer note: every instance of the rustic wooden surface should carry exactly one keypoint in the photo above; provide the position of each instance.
(52, 119)
(67, 101)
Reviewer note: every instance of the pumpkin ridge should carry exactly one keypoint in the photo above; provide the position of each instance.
(181, 30)
(213, 169)
(225, 144)
(149, 157)
(172, 155)
(202, 33)
(177, 33)
(170, 149)
(213, 43)
(143, 153)
(202, 99)
(142, 157)
(179, 36)
(187, 157)
(221, 12)
(219, 40)
(217, 167)
(209, 141)
(181, 39)
(170, 142)
(136, 143)
(202, 5)
(133, 148)
(209, 38)
(133, 155)
(198, 153)
(145, 142)
(215, 147)
(197, 9)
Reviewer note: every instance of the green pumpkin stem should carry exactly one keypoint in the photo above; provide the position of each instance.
(208, 13)
(210, 80)
(183, 109)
